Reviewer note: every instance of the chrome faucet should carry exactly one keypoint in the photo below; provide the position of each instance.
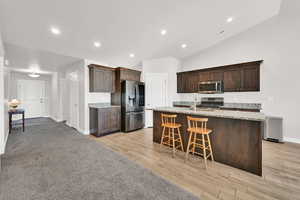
(194, 106)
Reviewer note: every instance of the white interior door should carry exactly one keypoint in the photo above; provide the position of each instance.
(74, 104)
(156, 94)
(32, 95)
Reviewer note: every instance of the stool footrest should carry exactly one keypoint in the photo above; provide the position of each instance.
(201, 154)
(199, 145)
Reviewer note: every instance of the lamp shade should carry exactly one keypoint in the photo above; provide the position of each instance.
(14, 103)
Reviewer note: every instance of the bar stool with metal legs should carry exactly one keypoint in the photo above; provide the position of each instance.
(169, 136)
(197, 126)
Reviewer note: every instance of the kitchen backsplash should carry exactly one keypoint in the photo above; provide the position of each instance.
(245, 97)
(94, 97)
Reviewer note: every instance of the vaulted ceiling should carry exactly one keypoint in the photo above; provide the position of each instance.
(125, 27)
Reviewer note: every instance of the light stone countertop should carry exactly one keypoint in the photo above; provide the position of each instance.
(102, 105)
(246, 106)
(244, 115)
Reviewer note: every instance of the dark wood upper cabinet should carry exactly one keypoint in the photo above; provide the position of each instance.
(237, 78)
(129, 74)
(102, 79)
(204, 76)
(193, 82)
(216, 75)
(187, 82)
(251, 77)
(107, 79)
(232, 80)
(121, 75)
(180, 82)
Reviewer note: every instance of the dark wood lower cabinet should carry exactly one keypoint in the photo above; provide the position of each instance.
(235, 142)
(104, 121)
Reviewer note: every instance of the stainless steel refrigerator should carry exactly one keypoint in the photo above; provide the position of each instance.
(132, 105)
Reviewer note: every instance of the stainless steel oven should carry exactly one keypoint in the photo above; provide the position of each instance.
(211, 87)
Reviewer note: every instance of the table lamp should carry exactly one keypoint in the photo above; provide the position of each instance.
(13, 104)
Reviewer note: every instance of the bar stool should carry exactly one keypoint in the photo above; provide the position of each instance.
(170, 137)
(197, 126)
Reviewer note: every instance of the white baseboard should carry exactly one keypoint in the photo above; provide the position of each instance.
(84, 132)
(79, 130)
(55, 119)
(293, 140)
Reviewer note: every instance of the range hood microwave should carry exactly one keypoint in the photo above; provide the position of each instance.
(211, 87)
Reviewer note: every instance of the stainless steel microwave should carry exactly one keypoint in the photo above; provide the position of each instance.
(211, 87)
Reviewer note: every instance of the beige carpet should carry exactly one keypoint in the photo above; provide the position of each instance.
(52, 161)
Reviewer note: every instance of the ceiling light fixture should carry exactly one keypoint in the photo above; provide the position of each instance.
(163, 32)
(183, 46)
(229, 19)
(97, 44)
(33, 75)
(131, 55)
(55, 31)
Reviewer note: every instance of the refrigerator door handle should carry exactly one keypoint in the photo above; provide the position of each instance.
(136, 92)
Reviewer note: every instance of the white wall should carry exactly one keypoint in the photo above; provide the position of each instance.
(72, 72)
(3, 106)
(1, 47)
(3, 130)
(54, 109)
(277, 42)
(169, 66)
(7, 93)
(13, 87)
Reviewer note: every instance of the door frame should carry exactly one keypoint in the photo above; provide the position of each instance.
(71, 122)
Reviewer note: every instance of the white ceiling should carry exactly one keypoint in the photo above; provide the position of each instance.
(126, 26)
(32, 60)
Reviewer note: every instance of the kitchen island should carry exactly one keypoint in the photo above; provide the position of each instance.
(236, 138)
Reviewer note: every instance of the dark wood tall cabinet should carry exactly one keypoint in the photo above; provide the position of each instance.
(242, 77)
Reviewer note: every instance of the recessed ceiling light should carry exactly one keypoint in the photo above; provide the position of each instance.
(183, 46)
(163, 32)
(229, 19)
(131, 55)
(55, 31)
(97, 44)
(34, 75)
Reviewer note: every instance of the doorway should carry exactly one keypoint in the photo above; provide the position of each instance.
(74, 104)
(32, 94)
(156, 94)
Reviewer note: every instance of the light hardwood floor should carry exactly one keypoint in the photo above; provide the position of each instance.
(281, 169)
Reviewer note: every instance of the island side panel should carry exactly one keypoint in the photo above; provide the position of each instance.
(235, 142)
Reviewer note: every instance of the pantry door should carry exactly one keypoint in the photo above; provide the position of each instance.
(156, 94)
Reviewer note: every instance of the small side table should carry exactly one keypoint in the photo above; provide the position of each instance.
(16, 112)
